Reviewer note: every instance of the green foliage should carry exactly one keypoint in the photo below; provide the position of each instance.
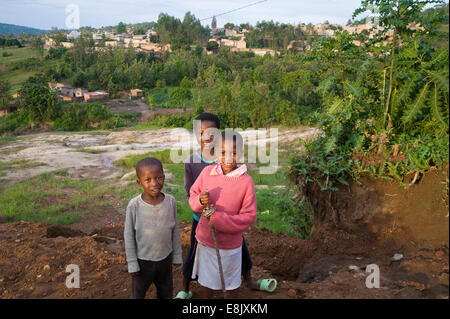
(5, 96)
(173, 120)
(180, 96)
(37, 101)
(13, 121)
(212, 45)
(121, 28)
(388, 116)
(82, 116)
(180, 34)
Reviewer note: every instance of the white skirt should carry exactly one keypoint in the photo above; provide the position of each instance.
(206, 267)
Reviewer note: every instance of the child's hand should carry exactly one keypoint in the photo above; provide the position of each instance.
(204, 198)
(135, 274)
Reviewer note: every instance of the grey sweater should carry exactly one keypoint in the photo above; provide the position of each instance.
(151, 231)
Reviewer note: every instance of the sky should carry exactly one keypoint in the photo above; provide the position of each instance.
(44, 14)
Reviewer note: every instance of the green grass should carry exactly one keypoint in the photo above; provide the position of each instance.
(18, 54)
(19, 164)
(16, 77)
(130, 161)
(43, 199)
(87, 150)
(4, 140)
(142, 126)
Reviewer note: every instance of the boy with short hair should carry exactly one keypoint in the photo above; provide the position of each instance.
(151, 235)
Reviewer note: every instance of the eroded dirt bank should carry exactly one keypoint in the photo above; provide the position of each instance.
(380, 219)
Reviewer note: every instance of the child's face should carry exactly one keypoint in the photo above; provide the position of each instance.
(151, 178)
(228, 159)
(203, 137)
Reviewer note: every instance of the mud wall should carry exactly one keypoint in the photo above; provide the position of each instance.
(380, 212)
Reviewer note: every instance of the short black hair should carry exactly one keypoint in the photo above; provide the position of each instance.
(146, 162)
(209, 117)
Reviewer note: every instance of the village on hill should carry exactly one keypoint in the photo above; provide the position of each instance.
(231, 36)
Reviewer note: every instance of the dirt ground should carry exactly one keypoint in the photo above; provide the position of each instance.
(34, 257)
(136, 105)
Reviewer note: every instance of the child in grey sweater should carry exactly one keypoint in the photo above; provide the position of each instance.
(151, 235)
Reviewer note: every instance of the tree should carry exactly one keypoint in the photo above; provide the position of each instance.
(214, 23)
(395, 16)
(349, 22)
(138, 31)
(245, 26)
(37, 101)
(151, 102)
(5, 97)
(180, 95)
(229, 25)
(121, 28)
(38, 45)
(212, 45)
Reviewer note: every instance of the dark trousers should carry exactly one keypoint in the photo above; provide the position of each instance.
(157, 272)
(188, 263)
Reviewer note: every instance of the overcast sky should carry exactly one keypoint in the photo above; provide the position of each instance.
(44, 14)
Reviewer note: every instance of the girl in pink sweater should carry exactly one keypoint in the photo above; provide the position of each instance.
(228, 188)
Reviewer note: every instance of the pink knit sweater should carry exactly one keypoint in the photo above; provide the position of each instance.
(235, 202)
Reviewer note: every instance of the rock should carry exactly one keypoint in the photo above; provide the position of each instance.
(292, 292)
(39, 276)
(47, 267)
(353, 267)
(127, 175)
(398, 257)
(169, 175)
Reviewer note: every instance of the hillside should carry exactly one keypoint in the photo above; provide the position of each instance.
(16, 30)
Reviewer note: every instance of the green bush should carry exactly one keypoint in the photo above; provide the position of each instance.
(82, 116)
(173, 120)
(13, 121)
